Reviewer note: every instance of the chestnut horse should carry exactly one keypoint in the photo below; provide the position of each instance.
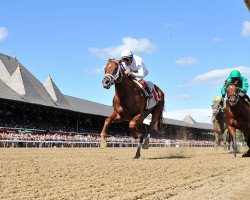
(238, 116)
(129, 104)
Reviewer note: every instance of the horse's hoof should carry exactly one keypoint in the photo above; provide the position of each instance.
(102, 146)
(103, 143)
(137, 156)
(145, 145)
(246, 155)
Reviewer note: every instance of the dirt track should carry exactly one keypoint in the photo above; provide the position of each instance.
(93, 173)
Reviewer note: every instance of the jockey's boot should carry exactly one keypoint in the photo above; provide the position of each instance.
(247, 99)
(149, 94)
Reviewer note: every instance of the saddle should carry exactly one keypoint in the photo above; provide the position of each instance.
(151, 102)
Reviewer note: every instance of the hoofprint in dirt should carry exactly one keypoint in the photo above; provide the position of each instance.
(93, 173)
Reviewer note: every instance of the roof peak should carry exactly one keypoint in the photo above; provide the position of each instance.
(189, 119)
(54, 91)
(16, 81)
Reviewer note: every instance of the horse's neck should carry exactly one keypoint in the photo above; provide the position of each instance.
(240, 109)
(124, 89)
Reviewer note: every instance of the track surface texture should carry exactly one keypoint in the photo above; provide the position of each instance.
(111, 173)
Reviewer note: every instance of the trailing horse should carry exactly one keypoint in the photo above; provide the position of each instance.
(237, 115)
(130, 104)
(219, 122)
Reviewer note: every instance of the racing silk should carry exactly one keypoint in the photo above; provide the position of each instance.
(137, 67)
(243, 85)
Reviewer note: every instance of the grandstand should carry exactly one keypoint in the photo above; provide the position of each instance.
(26, 103)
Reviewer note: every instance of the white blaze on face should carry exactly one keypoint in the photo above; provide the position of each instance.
(109, 66)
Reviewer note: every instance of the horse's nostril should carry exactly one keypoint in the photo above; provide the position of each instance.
(105, 81)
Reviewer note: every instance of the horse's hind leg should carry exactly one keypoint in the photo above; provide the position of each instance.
(247, 154)
(156, 118)
(146, 142)
(138, 151)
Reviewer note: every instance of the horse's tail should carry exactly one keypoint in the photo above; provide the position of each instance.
(159, 124)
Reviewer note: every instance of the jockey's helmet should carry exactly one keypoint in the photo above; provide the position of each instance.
(235, 74)
(126, 54)
(217, 99)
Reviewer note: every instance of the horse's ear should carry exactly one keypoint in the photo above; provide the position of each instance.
(110, 59)
(236, 82)
(226, 83)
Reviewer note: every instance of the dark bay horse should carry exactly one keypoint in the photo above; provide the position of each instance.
(219, 122)
(129, 104)
(238, 116)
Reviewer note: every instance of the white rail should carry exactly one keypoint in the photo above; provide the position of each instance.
(51, 144)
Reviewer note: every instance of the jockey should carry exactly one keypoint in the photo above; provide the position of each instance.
(219, 99)
(242, 84)
(135, 68)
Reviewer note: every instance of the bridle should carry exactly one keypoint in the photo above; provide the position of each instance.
(236, 97)
(119, 73)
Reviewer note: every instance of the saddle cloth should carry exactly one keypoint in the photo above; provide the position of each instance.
(152, 101)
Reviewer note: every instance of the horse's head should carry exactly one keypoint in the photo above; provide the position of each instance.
(113, 73)
(232, 93)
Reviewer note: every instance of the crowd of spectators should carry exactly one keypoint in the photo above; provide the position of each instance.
(57, 123)
(51, 124)
(61, 139)
(68, 137)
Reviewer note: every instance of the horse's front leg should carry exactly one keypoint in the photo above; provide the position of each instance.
(146, 142)
(225, 140)
(113, 117)
(232, 131)
(138, 151)
(216, 134)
